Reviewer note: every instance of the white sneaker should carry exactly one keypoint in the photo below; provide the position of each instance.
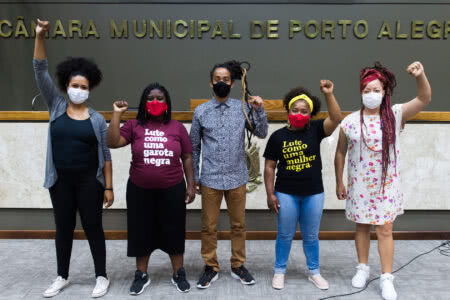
(278, 281)
(361, 276)
(319, 281)
(101, 287)
(387, 287)
(57, 286)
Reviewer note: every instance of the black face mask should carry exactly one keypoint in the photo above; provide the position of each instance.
(221, 89)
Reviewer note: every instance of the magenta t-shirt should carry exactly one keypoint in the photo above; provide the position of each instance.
(156, 150)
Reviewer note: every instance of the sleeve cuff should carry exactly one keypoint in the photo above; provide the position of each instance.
(40, 64)
(260, 110)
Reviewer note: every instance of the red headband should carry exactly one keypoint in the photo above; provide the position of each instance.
(368, 76)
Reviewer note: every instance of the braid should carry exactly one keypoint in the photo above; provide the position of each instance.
(387, 117)
(388, 137)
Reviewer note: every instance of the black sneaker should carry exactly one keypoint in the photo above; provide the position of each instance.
(208, 276)
(243, 275)
(179, 280)
(140, 282)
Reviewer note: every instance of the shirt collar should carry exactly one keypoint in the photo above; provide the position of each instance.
(218, 104)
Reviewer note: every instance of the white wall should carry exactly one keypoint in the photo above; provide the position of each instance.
(425, 168)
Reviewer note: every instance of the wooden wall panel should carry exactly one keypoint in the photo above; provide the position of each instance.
(274, 108)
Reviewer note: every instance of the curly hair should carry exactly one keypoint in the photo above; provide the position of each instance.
(233, 66)
(299, 91)
(142, 116)
(74, 66)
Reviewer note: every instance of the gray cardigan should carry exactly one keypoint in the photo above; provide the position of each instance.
(57, 106)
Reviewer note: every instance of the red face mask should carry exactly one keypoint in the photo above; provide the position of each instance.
(298, 120)
(156, 108)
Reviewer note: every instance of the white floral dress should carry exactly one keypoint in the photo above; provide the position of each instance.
(366, 202)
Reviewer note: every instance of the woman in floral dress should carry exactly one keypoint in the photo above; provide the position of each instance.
(371, 137)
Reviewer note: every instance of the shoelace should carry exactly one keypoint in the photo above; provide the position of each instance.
(181, 277)
(59, 278)
(56, 281)
(102, 280)
(243, 272)
(138, 278)
(360, 267)
(208, 275)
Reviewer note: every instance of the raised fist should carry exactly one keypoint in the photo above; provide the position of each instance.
(326, 86)
(120, 106)
(42, 27)
(415, 69)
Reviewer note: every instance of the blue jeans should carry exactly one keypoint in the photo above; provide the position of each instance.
(308, 211)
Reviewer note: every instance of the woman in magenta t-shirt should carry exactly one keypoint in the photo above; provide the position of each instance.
(156, 190)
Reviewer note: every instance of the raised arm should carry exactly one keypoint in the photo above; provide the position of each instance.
(113, 139)
(40, 64)
(39, 49)
(411, 108)
(339, 161)
(334, 110)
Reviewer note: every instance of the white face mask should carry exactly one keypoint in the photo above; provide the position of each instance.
(77, 96)
(372, 100)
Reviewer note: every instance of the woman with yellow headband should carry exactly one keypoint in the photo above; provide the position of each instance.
(298, 194)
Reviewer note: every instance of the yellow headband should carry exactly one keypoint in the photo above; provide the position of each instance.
(302, 97)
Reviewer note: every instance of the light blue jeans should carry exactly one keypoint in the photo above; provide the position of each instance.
(306, 210)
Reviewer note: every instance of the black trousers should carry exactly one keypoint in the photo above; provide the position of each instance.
(83, 192)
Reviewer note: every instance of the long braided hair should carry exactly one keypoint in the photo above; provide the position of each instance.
(387, 117)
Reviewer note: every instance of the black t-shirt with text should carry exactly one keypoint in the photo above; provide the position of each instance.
(297, 153)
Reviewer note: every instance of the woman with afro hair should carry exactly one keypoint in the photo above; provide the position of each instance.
(78, 166)
(298, 194)
(371, 137)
